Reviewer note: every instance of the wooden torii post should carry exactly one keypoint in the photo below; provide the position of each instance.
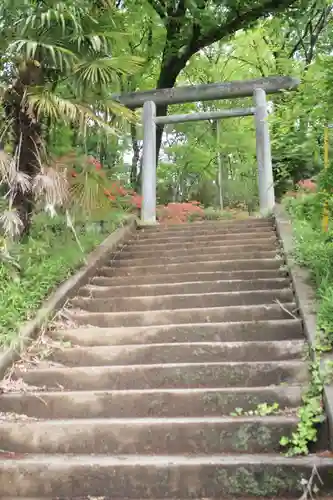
(257, 88)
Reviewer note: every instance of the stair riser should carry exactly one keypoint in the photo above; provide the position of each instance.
(204, 234)
(187, 316)
(224, 265)
(134, 480)
(195, 227)
(215, 239)
(131, 252)
(231, 435)
(179, 353)
(121, 261)
(226, 241)
(218, 332)
(159, 279)
(176, 302)
(168, 376)
(124, 404)
(186, 288)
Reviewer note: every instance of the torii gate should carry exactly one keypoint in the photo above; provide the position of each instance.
(257, 88)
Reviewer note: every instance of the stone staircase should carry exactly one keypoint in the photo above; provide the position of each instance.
(187, 326)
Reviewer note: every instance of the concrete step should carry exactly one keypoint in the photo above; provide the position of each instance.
(213, 238)
(178, 353)
(89, 497)
(152, 403)
(172, 476)
(213, 266)
(218, 231)
(207, 225)
(132, 252)
(160, 279)
(249, 220)
(196, 435)
(171, 375)
(260, 331)
(121, 261)
(175, 302)
(186, 288)
(184, 316)
(214, 241)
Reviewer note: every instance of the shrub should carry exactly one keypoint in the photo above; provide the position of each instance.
(314, 250)
(178, 213)
(212, 213)
(34, 267)
(118, 195)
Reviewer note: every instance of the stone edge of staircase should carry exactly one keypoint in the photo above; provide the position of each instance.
(29, 330)
(305, 301)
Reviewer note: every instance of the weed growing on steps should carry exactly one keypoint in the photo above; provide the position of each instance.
(311, 414)
(262, 410)
(313, 249)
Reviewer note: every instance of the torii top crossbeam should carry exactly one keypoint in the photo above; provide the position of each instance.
(207, 92)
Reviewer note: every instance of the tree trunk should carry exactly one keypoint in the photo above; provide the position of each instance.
(27, 131)
(171, 66)
(28, 141)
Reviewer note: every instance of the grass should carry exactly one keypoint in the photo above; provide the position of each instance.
(48, 257)
(314, 251)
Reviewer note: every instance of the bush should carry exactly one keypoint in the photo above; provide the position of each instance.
(178, 213)
(35, 267)
(212, 213)
(314, 250)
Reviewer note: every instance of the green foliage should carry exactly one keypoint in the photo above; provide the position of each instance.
(262, 410)
(310, 414)
(211, 213)
(313, 250)
(48, 257)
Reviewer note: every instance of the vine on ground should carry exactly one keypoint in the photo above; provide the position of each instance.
(310, 414)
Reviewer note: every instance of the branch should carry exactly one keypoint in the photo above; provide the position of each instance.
(259, 63)
(240, 21)
(248, 63)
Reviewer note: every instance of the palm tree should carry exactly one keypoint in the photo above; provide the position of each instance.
(57, 65)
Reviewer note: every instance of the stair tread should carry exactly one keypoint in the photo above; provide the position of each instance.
(224, 325)
(204, 294)
(169, 365)
(215, 282)
(139, 421)
(62, 460)
(119, 348)
(161, 311)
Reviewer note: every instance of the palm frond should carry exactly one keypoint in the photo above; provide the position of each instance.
(57, 108)
(104, 71)
(11, 177)
(62, 14)
(88, 192)
(28, 49)
(51, 185)
(10, 223)
(115, 109)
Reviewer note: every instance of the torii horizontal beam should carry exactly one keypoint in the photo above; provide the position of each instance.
(205, 115)
(208, 92)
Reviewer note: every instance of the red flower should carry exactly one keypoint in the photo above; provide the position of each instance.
(307, 185)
